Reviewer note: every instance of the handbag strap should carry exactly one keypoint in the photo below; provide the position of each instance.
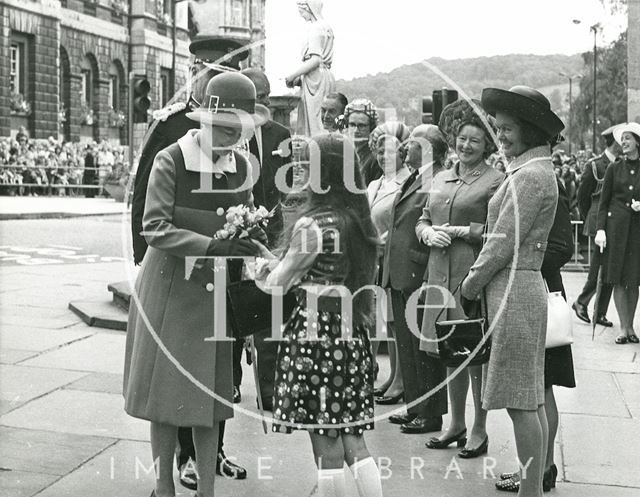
(453, 294)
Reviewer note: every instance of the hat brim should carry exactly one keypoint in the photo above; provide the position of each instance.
(232, 118)
(625, 128)
(497, 100)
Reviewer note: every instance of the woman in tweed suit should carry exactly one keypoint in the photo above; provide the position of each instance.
(520, 217)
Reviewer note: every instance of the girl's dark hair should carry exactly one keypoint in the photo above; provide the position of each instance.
(358, 236)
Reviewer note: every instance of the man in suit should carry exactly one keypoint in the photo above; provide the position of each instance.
(268, 146)
(588, 200)
(333, 107)
(404, 268)
(171, 123)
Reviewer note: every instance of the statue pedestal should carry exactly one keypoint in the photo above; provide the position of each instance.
(281, 107)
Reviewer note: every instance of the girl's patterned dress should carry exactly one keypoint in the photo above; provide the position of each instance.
(323, 384)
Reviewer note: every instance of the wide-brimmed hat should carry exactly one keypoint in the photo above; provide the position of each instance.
(626, 128)
(611, 129)
(524, 103)
(230, 101)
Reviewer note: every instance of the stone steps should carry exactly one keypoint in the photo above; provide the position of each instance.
(106, 314)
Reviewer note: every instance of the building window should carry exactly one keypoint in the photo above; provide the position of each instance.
(237, 13)
(165, 86)
(86, 93)
(18, 74)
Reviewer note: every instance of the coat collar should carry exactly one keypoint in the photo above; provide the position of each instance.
(535, 154)
(196, 160)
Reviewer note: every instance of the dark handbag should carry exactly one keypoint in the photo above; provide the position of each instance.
(249, 308)
(463, 338)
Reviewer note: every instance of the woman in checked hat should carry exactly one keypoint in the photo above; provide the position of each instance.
(520, 217)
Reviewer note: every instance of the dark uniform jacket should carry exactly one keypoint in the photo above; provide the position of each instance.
(265, 192)
(590, 190)
(164, 134)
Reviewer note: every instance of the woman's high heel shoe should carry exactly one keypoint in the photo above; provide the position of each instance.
(459, 438)
(387, 400)
(549, 479)
(477, 452)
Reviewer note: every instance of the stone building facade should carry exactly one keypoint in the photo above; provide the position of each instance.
(66, 63)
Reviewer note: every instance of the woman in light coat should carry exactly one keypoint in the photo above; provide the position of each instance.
(519, 220)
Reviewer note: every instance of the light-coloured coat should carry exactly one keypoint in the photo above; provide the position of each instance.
(519, 220)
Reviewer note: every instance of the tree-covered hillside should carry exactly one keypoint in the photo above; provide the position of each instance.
(403, 88)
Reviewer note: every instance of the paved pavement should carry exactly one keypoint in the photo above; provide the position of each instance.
(63, 431)
(57, 207)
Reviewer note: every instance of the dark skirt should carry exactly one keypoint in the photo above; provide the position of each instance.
(323, 386)
(558, 362)
(558, 367)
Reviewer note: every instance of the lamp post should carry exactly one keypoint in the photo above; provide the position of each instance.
(594, 28)
(570, 78)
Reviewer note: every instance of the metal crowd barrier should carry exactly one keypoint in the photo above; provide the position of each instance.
(581, 259)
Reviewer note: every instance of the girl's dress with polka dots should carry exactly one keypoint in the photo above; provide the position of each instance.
(324, 380)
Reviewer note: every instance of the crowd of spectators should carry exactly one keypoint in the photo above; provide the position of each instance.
(30, 167)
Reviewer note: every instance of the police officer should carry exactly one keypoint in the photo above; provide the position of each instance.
(212, 56)
(588, 200)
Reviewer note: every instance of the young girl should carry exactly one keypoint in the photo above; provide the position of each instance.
(324, 384)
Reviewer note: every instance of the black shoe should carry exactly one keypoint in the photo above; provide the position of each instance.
(402, 419)
(549, 478)
(633, 338)
(188, 477)
(387, 400)
(603, 321)
(422, 424)
(267, 403)
(226, 468)
(581, 312)
(237, 396)
(477, 452)
(459, 438)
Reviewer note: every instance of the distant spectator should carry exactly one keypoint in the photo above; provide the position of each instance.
(333, 107)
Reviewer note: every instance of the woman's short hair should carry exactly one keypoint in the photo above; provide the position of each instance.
(461, 113)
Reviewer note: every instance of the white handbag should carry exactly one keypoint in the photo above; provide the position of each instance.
(559, 320)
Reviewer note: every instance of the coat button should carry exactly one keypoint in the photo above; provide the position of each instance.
(444, 279)
(458, 182)
(447, 201)
(630, 187)
(209, 287)
(538, 245)
(633, 171)
(220, 211)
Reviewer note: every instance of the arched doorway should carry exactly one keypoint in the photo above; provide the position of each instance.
(89, 107)
(116, 103)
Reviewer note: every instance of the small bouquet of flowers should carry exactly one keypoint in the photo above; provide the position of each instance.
(244, 222)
